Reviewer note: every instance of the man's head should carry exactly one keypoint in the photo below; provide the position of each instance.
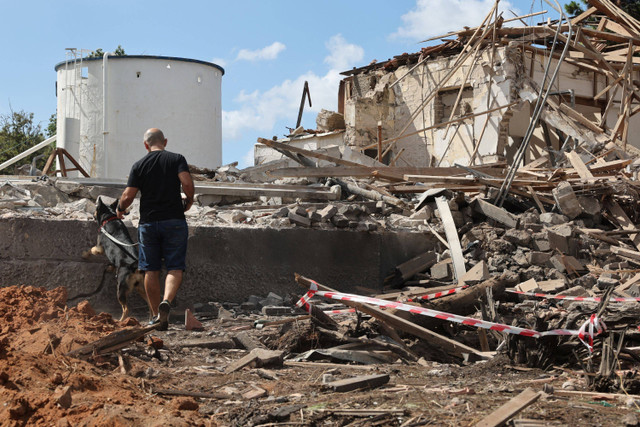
(154, 139)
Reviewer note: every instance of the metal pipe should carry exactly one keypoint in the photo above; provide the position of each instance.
(105, 128)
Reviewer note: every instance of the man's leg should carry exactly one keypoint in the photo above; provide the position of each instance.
(152, 286)
(172, 284)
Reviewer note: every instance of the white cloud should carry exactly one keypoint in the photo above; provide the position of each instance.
(435, 17)
(220, 61)
(260, 110)
(266, 53)
(342, 54)
(247, 159)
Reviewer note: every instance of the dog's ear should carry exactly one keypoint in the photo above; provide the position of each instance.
(99, 202)
(114, 205)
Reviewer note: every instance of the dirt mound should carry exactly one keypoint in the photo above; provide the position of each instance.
(40, 385)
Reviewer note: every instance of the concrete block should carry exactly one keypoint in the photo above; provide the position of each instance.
(566, 200)
(538, 258)
(426, 212)
(274, 310)
(340, 221)
(494, 212)
(551, 218)
(556, 262)
(551, 286)
(527, 286)
(299, 219)
(327, 212)
(442, 270)
(541, 245)
(556, 241)
(517, 237)
(590, 205)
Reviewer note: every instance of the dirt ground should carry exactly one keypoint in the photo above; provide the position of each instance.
(39, 385)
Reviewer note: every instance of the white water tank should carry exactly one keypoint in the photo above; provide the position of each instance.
(101, 123)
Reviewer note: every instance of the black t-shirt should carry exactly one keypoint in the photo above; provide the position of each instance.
(156, 176)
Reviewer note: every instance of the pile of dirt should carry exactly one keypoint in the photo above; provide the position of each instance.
(40, 385)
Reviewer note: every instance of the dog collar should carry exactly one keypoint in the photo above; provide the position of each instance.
(108, 220)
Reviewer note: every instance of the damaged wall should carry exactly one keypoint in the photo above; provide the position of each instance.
(514, 75)
(223, 263)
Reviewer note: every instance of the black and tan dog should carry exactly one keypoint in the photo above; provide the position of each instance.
(115, 242)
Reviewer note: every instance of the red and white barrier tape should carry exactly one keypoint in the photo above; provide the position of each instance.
(438, 294)
(572, 298)
(594, 323)
(595, 326)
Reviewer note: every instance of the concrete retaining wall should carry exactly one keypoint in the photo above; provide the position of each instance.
(223, 263)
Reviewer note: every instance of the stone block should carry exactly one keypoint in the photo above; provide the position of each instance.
(299, 219)
(327, 212)
(551, 218)
(329, 120)
(340, 221)
(590, 205)
(557, 241)
(566, 200)
(517, 237)
(274, 310)
(442, 270)
(539, 258)
(556, 262)
(425, 213)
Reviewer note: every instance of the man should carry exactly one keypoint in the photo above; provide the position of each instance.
(162, 232)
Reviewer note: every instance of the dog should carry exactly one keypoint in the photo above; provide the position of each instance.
(115, 242)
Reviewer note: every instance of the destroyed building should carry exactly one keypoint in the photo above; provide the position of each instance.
(470, 100)
(458, 245)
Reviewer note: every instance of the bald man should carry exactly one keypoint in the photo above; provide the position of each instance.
(162, 232)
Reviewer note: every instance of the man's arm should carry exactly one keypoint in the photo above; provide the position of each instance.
(187, 188)
(126, 199)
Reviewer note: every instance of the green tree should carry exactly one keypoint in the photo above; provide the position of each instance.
(573, 8)
(98, 53)
(18, 133)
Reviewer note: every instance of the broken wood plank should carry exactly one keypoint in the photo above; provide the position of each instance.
(365, 381)
(168, 392)
(451, 232)
(417, 264)
(625, 252)
(582, 170)
(446, 344)
(247, 341)
(257, 358)
(510, 409)
(111, 342)
(328, 365)
(624, 221)
(496, 213)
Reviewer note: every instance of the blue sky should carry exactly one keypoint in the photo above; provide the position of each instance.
(268, 48)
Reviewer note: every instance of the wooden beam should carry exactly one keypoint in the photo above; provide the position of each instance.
(575, 160)
(624, 221)
(452, 237)
(510, 409)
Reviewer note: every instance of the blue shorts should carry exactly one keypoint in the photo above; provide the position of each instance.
(163, 240)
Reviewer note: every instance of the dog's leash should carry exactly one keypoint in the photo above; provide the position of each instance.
(116, 241)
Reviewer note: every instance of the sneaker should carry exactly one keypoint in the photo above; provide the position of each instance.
(163, 310)
(160, 325)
